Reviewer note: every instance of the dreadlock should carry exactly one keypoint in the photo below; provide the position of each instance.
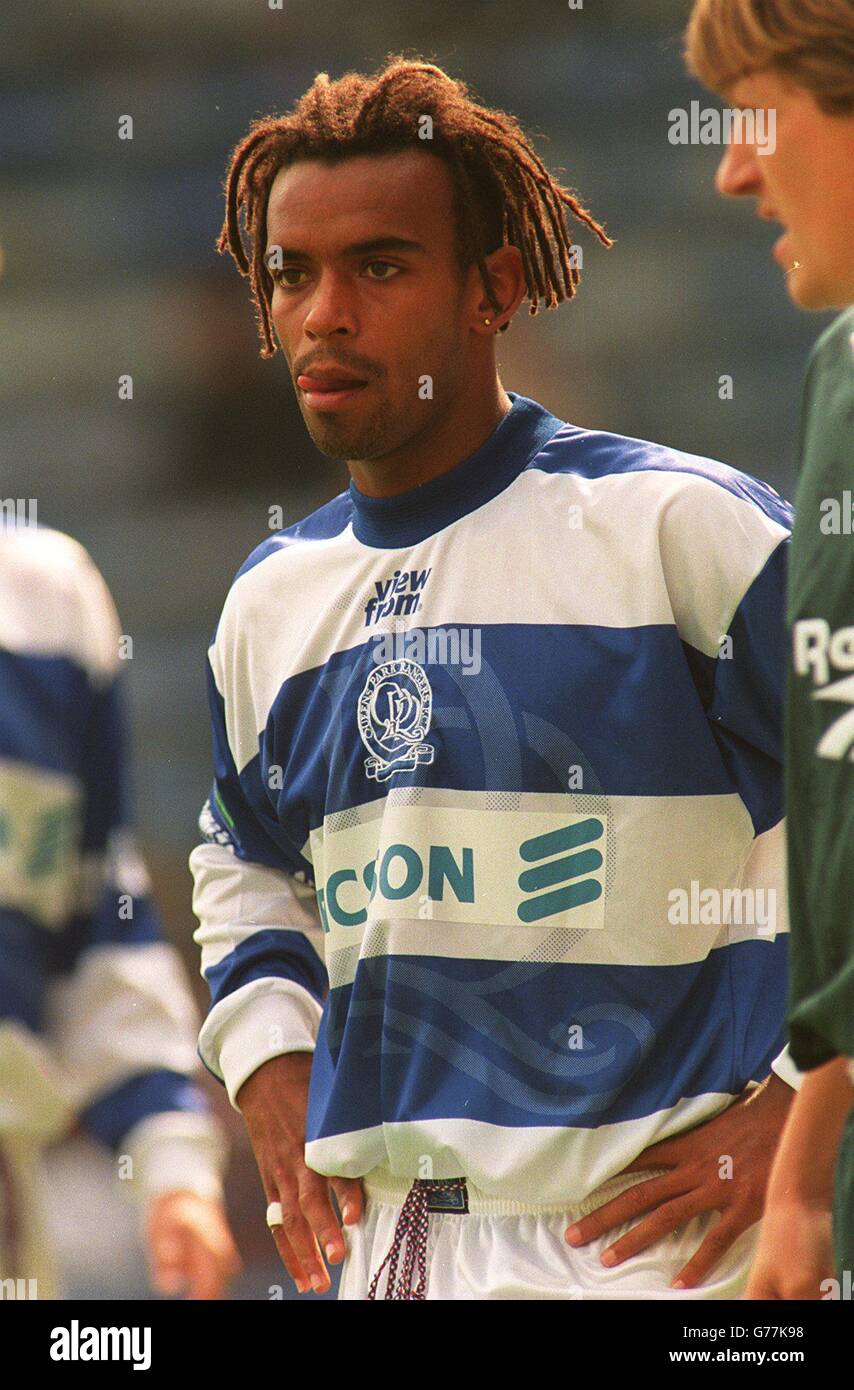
(503, 192)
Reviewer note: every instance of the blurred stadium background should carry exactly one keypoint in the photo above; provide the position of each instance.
(109, 267)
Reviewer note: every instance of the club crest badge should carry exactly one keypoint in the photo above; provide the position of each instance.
(393, 716)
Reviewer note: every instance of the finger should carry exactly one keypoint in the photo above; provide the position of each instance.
(224, 1250)
(295, 1236)
(631, 1203)
(350, 1198)
(205, 1274)
(717, 1242)
(290, 1261)
(210, 1256)
(168, 1262)
(316, 1207)
(667, 1220)
(296, 1229)
(292, 1252)
(665, 1154)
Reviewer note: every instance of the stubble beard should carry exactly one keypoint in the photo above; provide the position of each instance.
(353, 441)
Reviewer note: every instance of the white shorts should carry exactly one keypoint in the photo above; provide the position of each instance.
(504, 1249)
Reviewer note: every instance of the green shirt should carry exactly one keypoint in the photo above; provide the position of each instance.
(820, 711)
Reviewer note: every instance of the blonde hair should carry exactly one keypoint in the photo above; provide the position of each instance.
(809, 41)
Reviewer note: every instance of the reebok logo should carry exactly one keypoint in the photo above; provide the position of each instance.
(819, 653)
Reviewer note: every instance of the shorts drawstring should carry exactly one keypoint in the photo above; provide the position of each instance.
(425, 1195)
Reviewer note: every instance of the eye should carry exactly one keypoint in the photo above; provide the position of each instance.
(279, 276)
(385, 265)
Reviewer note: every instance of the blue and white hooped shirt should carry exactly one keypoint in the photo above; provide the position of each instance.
(496, 820)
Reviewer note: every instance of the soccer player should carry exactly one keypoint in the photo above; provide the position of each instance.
(798, 61)
(96, 1020)
(500, 727)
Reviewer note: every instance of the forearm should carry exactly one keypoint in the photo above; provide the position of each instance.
(806, 1159)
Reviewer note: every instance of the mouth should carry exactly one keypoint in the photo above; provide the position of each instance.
(782, 250)
(783, 253)
(328, 390)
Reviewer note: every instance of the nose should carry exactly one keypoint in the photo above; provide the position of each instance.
(330, 308)
(738, 173)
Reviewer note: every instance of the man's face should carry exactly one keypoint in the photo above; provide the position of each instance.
(807, 184)
(367, 287)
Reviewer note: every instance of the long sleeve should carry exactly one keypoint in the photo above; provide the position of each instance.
(739, 669)
(259, 925)
(89, 981)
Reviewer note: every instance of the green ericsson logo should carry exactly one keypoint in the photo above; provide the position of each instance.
(473, 869)
(565, 876)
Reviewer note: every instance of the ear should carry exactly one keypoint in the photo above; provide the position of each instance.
(507, 277)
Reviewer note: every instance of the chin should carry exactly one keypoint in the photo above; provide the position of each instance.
(333, 443)
(808, 291)
(341, 441)
(822, 287)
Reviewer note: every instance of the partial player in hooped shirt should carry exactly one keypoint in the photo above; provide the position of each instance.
(478, 896)
(795, 62)
(96, 1019)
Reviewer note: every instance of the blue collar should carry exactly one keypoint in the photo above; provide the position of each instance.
(409, 517)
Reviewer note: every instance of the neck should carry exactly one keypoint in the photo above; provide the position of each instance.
(436, 450)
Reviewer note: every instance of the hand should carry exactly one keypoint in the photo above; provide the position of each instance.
(795, 1253)
(273, 1102)
(747, 1132)
(189, 1245)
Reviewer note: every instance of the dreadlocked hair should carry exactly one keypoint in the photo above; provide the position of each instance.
(503, 193)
